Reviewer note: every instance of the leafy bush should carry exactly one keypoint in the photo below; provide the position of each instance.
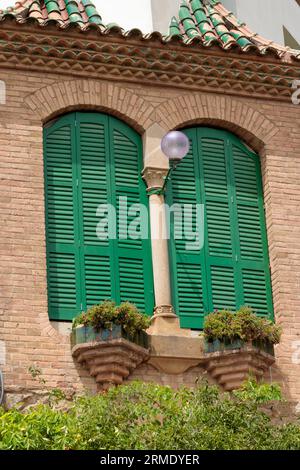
(243, 325)
(259, 392)
(107, 314)
(150, 417)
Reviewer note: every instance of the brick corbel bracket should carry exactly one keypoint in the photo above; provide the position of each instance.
(110, 362)
(231, 368)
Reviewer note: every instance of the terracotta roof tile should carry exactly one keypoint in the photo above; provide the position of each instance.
(211, 23)
(81, 12)
(204, 22)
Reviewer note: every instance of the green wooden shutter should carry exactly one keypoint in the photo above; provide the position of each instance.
(61, 220)
(134, 278)
(218, 247)
(250, 230)
(90, 159)
(93, 188)
(232, 269)
(188, 271)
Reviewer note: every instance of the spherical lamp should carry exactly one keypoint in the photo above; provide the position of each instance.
(175, 145)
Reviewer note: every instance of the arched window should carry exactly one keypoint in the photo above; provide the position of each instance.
(232, 267)
(93, 159)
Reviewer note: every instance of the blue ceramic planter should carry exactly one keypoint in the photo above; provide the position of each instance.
(88, 334)
(217, 345)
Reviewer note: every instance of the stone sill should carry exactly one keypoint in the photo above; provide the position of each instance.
(175, 354)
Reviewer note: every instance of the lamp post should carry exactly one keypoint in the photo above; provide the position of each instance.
(174, 145)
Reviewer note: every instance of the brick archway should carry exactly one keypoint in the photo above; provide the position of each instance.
(58, 98)
(65, 96)
(252, 126)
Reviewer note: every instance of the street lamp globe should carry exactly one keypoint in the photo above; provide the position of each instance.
(175, 145)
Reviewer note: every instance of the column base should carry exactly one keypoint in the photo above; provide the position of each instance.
(166, 323)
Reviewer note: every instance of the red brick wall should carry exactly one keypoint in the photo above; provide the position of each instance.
(273, 129)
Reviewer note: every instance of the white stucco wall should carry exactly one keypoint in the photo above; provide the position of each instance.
(267, 17)
(162, 12)
(127, 13)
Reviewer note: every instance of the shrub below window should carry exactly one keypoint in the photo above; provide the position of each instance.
(107, 314)
(243, 325)
(152, 417)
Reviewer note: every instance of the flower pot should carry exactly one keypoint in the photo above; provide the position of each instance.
(88, 334)
(231, 363)
(217, 345)
(110, 355)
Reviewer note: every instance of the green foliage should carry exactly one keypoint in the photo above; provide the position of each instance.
(107, 314)
(40, 428)
(36, 374)
(152, 417)
(56, 395)
(259, 393)
(243, 325)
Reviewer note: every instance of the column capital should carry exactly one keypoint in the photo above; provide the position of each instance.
(154, 177)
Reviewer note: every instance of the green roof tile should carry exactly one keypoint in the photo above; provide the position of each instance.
(73, 11)
(80, 12)
(174, 27)
(209, 20)
(91, 12)
(51, 5)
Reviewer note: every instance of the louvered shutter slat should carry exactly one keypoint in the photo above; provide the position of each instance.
(251, 230)
(93, 173)
(97, 279)
(187, 268)
(190, 294)
(223, 287)
(62, 261)
(134, 278)
(218, 244)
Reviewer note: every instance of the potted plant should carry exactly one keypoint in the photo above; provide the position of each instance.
(238, 344)
(110, 341)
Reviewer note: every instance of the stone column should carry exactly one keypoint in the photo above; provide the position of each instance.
(165, 321)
